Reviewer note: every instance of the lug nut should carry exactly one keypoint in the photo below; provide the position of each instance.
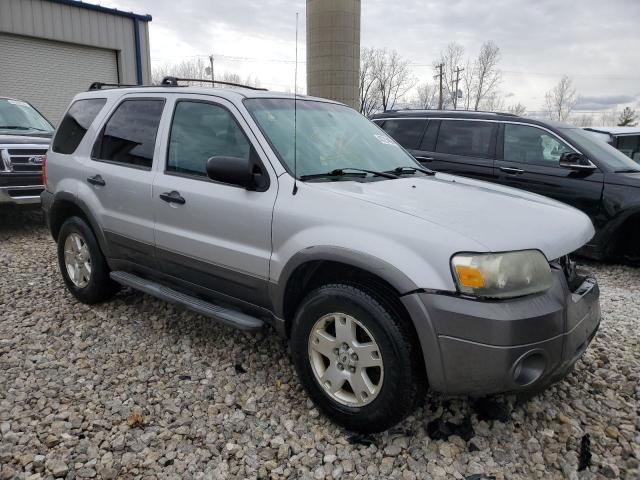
(340, 366)
(352, 369)
(336, 351)
(354, 357)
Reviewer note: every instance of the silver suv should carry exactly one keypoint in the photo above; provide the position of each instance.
(257, 208)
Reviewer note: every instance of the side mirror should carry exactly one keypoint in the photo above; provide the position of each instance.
(575, 161)
(236, 171)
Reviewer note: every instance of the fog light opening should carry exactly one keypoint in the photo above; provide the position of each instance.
(529, 368)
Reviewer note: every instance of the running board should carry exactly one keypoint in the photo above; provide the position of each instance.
(230, 317)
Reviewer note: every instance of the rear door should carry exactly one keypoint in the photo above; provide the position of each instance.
(211, 234)
(529, 158)
(119, 179)
(461, 147)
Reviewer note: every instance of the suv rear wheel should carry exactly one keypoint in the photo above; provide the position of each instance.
(84, 269)
(356, 357)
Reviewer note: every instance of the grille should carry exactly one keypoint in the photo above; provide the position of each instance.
(24, 160)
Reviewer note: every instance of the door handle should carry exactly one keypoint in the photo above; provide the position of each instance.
(512, 171)
(424, 159)
(97, 180)
(173, 197)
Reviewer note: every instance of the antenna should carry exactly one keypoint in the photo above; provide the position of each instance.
(295, 117)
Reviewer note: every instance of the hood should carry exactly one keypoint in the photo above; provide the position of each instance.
(499, 218)
(43, 139)
(631, 179)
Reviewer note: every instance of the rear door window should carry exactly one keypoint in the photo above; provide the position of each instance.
(75, 124)
(129, 136)
(407, 132)
(466, 138)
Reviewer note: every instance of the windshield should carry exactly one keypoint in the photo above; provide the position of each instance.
(602, 151)
(329, 137)
(18, 118)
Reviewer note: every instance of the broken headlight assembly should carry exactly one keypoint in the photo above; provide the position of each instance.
(501, 275)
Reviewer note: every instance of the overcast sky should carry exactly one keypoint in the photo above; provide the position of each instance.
(596, 42)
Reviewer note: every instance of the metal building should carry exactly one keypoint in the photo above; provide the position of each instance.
(52, 49)
(333, 50)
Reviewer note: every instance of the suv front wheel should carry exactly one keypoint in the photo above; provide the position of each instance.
(356, 357)
(83, 267)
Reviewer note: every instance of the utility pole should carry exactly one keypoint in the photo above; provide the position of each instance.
(212, 75)
(440, 99)
(455, 91)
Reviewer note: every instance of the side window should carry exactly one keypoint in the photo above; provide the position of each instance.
(461, 137)
(629, 145)
(407, 133)
(200, 131)
(75, 124)
(429, 140)
(531, 145)
(129, 136)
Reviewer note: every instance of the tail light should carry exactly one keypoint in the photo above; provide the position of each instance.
(44, 171)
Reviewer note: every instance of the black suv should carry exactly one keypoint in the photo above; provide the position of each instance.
(549, 158)
(24, 138)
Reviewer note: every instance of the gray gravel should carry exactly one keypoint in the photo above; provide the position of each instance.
(137, 388)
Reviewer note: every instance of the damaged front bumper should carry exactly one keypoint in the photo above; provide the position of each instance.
(479, 347)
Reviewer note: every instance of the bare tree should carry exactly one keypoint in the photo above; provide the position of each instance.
(426, 96)
(451, 57)
(517, 109)
(197, 68)
(494, 102)
(369, 93)
(584, 120)
(561, 99)
(627, 118)
(486, 72)
(393, 77)
(608, 119)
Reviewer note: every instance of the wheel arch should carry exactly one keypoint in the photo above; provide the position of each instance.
(315, 265)
(65, 205)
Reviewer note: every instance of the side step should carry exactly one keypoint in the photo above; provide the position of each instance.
(230, 317)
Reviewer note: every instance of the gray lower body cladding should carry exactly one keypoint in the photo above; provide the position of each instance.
(484, 347)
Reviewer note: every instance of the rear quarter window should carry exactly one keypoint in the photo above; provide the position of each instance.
(407, 133)
(75, 124)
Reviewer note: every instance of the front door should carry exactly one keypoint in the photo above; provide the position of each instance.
(530, 160)
(210, 234)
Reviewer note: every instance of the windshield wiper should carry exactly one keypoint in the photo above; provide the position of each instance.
(342, 172)
(402, 170)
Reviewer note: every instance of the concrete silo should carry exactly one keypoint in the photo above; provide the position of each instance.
(333, 50)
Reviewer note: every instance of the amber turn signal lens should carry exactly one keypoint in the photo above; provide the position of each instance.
(470, 276)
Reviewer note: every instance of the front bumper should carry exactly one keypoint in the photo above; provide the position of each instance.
(16, 189)
(482, 347)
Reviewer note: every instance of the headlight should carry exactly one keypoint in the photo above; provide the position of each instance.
(501, 275)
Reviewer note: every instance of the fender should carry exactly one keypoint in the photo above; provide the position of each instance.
(391, 274)
(53, 205)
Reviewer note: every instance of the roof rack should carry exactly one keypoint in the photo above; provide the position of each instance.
(401, 110)
(101, 85)
(173, 82)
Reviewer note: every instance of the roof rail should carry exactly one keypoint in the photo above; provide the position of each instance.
(173, 82)
(401, 110)
(101, 85)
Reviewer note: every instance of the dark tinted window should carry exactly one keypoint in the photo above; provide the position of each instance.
(75, 124)
(532, 145)
(407, 133)
(200, 131)
(630, 146)
(129, 137)
(429, 139)
(461, 137)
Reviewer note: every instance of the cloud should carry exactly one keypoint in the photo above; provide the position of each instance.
(594, 42)
(607, 102)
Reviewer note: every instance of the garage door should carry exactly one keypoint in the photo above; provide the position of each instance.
(48, 74)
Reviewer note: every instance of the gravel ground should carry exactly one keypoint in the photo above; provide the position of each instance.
(137, 388)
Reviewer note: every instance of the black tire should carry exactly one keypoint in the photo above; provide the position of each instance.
(404, 383)
(100, 287)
